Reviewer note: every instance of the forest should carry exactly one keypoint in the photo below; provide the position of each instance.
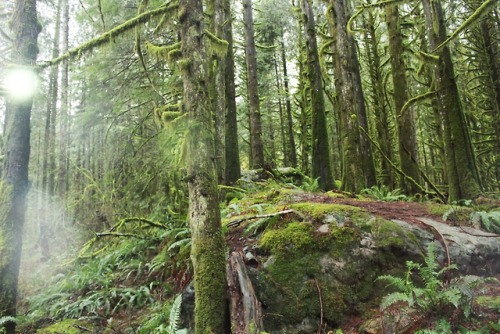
(145, 143)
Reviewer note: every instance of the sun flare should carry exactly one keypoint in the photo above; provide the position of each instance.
(21, 84)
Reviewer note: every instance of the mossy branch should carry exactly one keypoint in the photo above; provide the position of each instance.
(171, 53)
(400, 172)
(216, 46)
(110, 35)
(266, 47)
(474, 18)
(138, 49)
(413, 100)
(361, 9)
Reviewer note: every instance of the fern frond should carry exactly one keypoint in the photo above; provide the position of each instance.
(396, 282)
(6, 319)
(395, 298)
(180, 243)
(175, 315)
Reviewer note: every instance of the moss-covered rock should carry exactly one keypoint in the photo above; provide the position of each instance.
(319, 211)
(295, 237)
(67, 326)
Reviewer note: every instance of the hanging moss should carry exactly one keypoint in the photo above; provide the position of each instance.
(215, 45)
(171, 53)
(110, 35)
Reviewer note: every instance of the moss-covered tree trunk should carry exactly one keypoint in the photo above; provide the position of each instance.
(291, 137)
(256, 143)
(463, 178)
(492, 51)
(407, 130)
(14, 186)
(208, 249)
(215, 11)
(62, 176)
(320, 149)
(305, 110)
(358, 168)
(233, 169)
(379, 100)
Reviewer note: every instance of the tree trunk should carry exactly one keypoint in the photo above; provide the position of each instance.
(48, 149)
(358, 169)
(257, 146)
(320, 149)
(233, 169)
(463, 178)
(407, 130)
(14, 186)
(380, 106)
(215, 10)
(305, 110)
(208, 248)
(62, 179)
(284, 146)
(288, 104)
(492, 51)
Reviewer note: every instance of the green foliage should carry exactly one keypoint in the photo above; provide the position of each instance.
(4, 321)
(174, 317)
(427, 294)
(442, 327)
(490, 221)
(433, 296)
(383, 193)
(309, 184)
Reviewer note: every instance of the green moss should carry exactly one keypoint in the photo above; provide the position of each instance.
(292, 291)
(68, 326)
(491, 302)
(293, 238)
(318, 210)
(387, 233)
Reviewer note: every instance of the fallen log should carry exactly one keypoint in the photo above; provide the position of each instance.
(244, 307)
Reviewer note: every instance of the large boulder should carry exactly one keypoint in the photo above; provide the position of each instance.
(319, 266)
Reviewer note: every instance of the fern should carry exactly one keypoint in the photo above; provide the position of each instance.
(383, 193)
(490, 221)
(309, 184)
(175, 315)
(7, 319)
(432, 296)
(442, 327)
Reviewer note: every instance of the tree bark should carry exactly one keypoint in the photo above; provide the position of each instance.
(492, 51)
(358, 168)
(233, 169)
(62, 179)
(257, 146)
(288, 104)
(321, 167)
(380, 106)
(245, 308)
(25, 27)
(463, 178)
(407, 130)
(207, 250)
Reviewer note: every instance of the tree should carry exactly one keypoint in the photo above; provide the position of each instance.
(463, 178)
(14, 183)
(358, 169)
(256, 144)
(233, 169)
(407, 132)
(320, 148)
(207, 250)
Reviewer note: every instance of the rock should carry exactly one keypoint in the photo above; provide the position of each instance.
(475, 252)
